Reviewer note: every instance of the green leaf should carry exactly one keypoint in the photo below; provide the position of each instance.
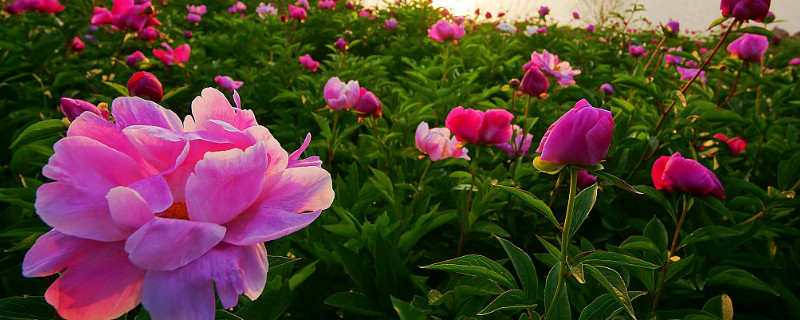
(708, 233)
(721, 115)
(561, 310)
(301, 275)
(406, 311)
(717, 22)
(656, 232)
(758, 31)
(555, 252)
(513, 299)
(729, 276)
(789, 172)
(623, 104)
(225, 315)
(717, 206)
(39, 130)
(532, 202)
(683, 54)
(478, 266)
(526, 271)
(25, 308)
(616, 181)
(613, 283)
(720, 306)
(173, 92)
(122, 90)
(584, 202)
(605, 258)
(602, 307)
(356, 302)
(658, 197)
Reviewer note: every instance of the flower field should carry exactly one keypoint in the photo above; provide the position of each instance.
(323, 160)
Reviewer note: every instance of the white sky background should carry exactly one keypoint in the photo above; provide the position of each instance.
(692, 14)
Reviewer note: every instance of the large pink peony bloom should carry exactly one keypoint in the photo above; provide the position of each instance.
(548, 62)
(152, 210)
(171, 57)
(446, 31)
(580, 137)
(126, 15)
(438, 144)
(478, 127)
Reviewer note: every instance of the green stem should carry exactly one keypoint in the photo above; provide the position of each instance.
(733, 87)
(671, 252)
(467, 208)
(331, 141)
(565, 230)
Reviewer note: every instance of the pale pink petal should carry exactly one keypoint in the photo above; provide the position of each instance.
(106, 132)
(130, 111)
(128, 209)
(168, 244)
(90, 165)
(237, 270)
(155, 191)
(212, 105)
(161, 148)
(266, 224)
(183, 294)
(100, 284)
(74, 212)
(226, 183)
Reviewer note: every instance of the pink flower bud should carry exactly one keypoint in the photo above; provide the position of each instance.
(72, 108)
(136, 59)
(607, 89)
(686, 175)
(341, 44)
(367, 104)
(146, 85)
(749, 47)
(309, 63)
(445, 31)
(339, 95)
(580, 137)
(585, 179)
(534, 83)
(745, 9)
(478, 127)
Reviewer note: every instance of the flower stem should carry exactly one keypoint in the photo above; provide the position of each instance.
(331, 141)
(733, 87)
(671, 252)
(565, 230)
(655, 52)
(467, 208)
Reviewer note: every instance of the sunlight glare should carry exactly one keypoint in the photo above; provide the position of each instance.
(456, 7)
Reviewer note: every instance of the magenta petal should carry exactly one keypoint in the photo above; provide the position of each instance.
(212, 105)
(75, 212)
(168, 244)
(155, 191)
(130, 111)
(161, 148)
(106, 132)
(226, 183)
(266, 224)
(128, 209)
(237, 270)
(52, 252)
(90, 165)
(182, 294)
(100, 284)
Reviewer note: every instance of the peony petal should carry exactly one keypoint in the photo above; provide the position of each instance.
(237, 270)
(464, 123)
(161, 148)
(53, 251)
(226, 183)
(106, 132)
(76, 212)
(212, 105)
(130, 111)
(100, 284)
(266, 224)
(90, 165)
(128, 209)
(182, 294)
(155, 191)
(168, 244)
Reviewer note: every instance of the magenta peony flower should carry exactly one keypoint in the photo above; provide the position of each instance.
(736, 144)
(543, 11)
(671, 60)
(171, 57)
(367, 104)
(227, 83)
(548, 62)
(339, 95)
(297, 13)
(575, 15)
(304, 4)
(585, 179)
(521, 146)
(580, 137)
(237, 7)
(678, 174)
(72, 108)
(749, 47)
(390, 24)
(309, 63)
(687, 74)
(199, 10)
(341, 44)
(459, 20)
(437, 144)
(327, 4)
(152, 210)
(673, 27)
(794, 62)
(43, 6)
(193, 18)
(188, 34)
(126, 15)
(590, 28)
(534, 83)
(745, 9)
(478, 127)
(148, 34)
(607, 89)
(445, 31)
(77, 45)
(146, 85)
(136, 59)
(636, 51)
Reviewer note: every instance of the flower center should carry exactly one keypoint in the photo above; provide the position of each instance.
(176, 211)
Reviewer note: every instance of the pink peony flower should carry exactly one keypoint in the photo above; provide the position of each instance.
(339, 95)
(43, 6)
(136, 60)
(437, 144)
(227, 83)
(445, 31)
(148, 34)
(193, 18)
(478, 127)
(199, 10)
(72, 108)
(146, 85)
(543, 11)
(237, 7)
(549, 63)
(607, 89)
(77, 45)
(736, 144)
(171, 57)
(341, 44)
(678, 174)
(671, 60)
(367, 105)
(126, 15)
(745, 9)
(794, 62)
(585, 179)
(580, 137)
(636, 51)
(297, 13)
(263, 9)
(590, 28)
(309, 63)
(152, 210)
(687, 74)
(390, 24)
(749, 47)
(327, 4)
(521, 146)
(673, 27)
